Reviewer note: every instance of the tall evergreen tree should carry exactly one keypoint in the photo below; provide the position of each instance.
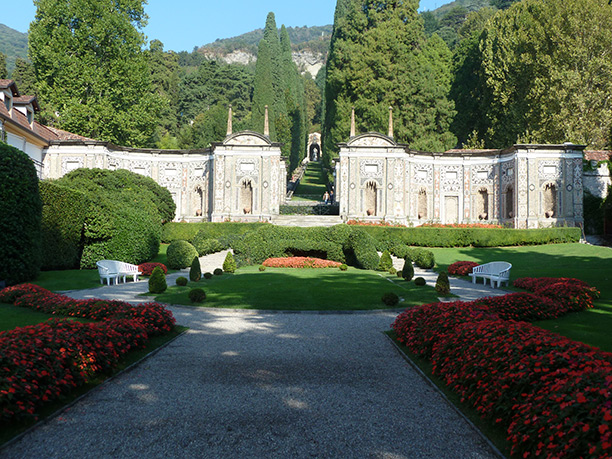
(3, 72)
(92, 74)
(263, 89)
(165, 77)
(379, 57)
(24, 76)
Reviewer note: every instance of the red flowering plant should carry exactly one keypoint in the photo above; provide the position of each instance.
(300, 262)
(523, 306)
(10, 294)
(147, 268)
(575, 294)
(461, 268)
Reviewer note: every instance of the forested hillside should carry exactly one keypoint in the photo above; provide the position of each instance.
(13, 44)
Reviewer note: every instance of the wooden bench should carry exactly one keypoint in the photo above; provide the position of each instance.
(496, 271)
(110, 270)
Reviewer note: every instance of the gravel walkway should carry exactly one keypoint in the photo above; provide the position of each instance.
(245, 384)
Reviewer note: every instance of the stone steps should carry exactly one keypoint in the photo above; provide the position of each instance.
(306, 220)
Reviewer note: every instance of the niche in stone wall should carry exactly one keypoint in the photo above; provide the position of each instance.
(199, 201)
(482, 204)
(422, 204)
(549, 200)
(509, 203)
(246, 197)
(370, 198)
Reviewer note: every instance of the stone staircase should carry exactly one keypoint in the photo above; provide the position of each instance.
(306, 220)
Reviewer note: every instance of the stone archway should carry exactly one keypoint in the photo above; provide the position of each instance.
(314, 152)
(246, 197)
(549, 199)
(369, 200)
(199, 201)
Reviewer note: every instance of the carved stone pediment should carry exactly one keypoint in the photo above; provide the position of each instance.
(247, 138)
(371, 139)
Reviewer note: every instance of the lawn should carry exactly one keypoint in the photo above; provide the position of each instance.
(79, 279)
(301, 289)
(589, 263)
(13, 317)
(313, 184)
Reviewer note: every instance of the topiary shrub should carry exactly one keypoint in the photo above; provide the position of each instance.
(420, 281)
(64, 213)
(385, 262)
(205, 245)
(424, 258)
(218, 272)
(180, 254)
(400, 273)
(157, 281)
(392, 271)
(208, 275)
(229, 265)
(262, 268)
(390, 299)
(408, 269)
(343, 267)
(20, 217)
(195, 273)
(181, 281)
(197, 295)
(442, 284)
(363, 247)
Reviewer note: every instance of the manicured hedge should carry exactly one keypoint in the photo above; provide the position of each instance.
(64, 214)
(551, 394)
(124, 221)
(180, 254)
(174, 231)
(20, 216)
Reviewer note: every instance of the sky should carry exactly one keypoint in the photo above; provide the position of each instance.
(183, 24)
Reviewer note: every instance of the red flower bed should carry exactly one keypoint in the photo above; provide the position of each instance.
(575, 294)
(377, 223)
(553, 395)
(462, 268)
(147, 268)
(300, 262)
(39, 363)
(462, 225)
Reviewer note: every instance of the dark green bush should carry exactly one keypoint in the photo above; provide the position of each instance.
(157, 281)
(400, 273)
(218, 272)
(206, 246)
(208, 275)
(197, 295)
(363, 248)
(180, 254)
(181, 281)
(262, 268)
(407, 270)
(343, 267)
(174, 231)
(392, 271)
(124, 221)
(385, 262)
(20, 217)
(424, 258)
(390, 299)
(229, 265)
(420, 281)
(443, 284)
(64, 213)
(195, 273)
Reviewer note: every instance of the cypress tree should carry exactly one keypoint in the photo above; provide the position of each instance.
(195, 272)
(263, 90)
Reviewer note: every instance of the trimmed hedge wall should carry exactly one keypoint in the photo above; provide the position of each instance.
(20, 216)
(63, 218)
(182, 231)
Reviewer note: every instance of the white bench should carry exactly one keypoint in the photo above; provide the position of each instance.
(496, 271)
(114, 270)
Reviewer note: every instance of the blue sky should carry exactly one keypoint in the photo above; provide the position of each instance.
(183, 24)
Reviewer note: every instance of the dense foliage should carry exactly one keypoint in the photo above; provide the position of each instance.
(64, 214)
(125, 219)
(229, 264)
(180, 254)
(157, 281)
(195, 272)
(20, 211)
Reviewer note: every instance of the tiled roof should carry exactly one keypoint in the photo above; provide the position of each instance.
(597, 155)
(6, 84)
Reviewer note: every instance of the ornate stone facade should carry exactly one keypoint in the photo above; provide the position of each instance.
(242, 178)
(525, 186)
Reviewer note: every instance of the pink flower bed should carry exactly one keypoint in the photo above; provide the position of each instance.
(300, 262)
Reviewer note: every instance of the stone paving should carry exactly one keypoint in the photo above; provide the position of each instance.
(258, 384)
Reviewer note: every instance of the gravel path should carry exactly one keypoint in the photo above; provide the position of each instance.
(251, 384)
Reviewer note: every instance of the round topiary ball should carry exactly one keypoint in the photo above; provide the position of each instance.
(262, 268)
(180, 254)
(392, 271)
(207, 275)
(218, 272)
(419, 281)
(390, 299)
(343, 267)
(197, 295)
(181, 281)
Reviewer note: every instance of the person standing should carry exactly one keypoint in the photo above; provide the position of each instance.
(326, 197)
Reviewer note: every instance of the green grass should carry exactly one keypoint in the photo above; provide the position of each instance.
(13, 317)
(301, 289)
(313, 184)
(16, 428)
(589, 263)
